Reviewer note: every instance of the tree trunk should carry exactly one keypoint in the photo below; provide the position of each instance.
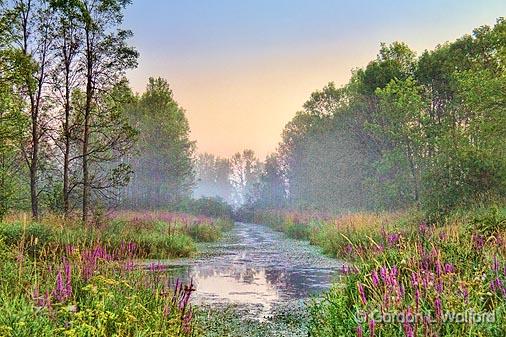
(87, 116)
(66, 154)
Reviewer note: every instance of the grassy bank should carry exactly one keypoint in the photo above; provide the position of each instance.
(61, 279)
(147, 234)
(436, 276)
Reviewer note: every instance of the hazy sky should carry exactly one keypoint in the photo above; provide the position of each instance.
(242, 68)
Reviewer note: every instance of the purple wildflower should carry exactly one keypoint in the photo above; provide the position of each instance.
(478, 241)
(372, 325)
(449, 268)
(438, 307)
(360, 332)
(375, 278)
(495, 264)
(361, 293)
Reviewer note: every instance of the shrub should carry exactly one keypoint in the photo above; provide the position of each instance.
(214, 207)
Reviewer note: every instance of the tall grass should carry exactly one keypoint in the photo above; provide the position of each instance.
(407, 278)
(86, 292)
(154, 234)
(59, 278)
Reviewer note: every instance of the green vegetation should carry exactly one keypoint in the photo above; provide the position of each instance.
(401, 172)
(230, 321)
(398, 264)
(407, 131)
(84, 292)
(154, 235)
(73, 135)
(71, 280)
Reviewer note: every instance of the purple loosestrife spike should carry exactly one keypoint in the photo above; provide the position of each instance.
(68, 277)
(394, 271)
(495, 265)
(478, 241)
(414, 279)
(439, 269)
(362, 293)
(417, 297)
(393, 239)
(464, 292)
(59, 292)
(438, 306)
(383, 273)
(408, 328)
(424, 282)
(360, 332)
(187, 321)
(439, 287)
(372, 326)
(449, 268)
(492, 286)
(375, 278)
(497, 285)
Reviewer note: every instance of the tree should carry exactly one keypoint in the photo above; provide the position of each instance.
(402, 112)
(213, 177)
(66, 78)
(163, 165)
(33, 32)
(112, 137)
(105, 58)
(246, 169)
(13, 123)
(272, 185)
(405, 132)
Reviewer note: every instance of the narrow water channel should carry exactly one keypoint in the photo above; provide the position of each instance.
(256, 267)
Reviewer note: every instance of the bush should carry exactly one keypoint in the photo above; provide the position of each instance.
(207, 206)
(33, 237)
(489, 221)
(166, 246)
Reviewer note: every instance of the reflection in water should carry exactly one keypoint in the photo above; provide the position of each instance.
(250, 287)
(257, 266)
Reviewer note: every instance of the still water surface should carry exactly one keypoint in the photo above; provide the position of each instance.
(255, 266)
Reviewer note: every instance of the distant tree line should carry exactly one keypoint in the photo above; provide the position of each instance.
(73, 135)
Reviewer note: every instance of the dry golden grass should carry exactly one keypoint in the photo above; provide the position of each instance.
(47, 218)
(366, 221)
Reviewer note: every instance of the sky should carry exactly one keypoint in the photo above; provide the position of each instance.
(242, 68)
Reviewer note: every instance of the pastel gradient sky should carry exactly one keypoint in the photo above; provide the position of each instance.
(242, 68)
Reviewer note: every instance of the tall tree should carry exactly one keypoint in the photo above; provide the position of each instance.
(246, 170)
(33, 30)
(272, 185)
(163, 165)
(66, 77)
(13, 123)
(105, 58)
(213, 177)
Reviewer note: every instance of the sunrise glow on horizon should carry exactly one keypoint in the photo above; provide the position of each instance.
(242, 69)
